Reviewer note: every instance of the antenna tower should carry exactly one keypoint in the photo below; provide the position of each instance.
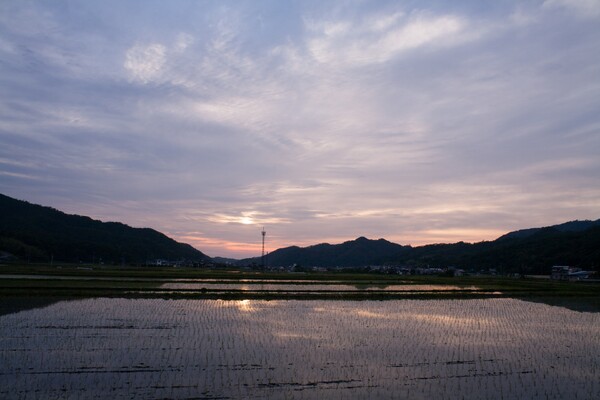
(263, 246)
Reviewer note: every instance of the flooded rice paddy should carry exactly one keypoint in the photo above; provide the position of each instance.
(215, 349)
(265, 289)
(313, 287)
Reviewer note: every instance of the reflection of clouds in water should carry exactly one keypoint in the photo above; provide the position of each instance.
(289, 335)
(406, 313)
(295, 335)
(271, 349)
(371, 314)
(268, 285)
(444, 319)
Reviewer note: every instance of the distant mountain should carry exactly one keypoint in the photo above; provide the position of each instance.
(533, 253)
(354, 253)
(37, 233)
(224, 260)
(572, 226)
(536, 250)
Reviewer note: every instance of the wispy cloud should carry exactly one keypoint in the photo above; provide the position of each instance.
(584, 8)
(323, 122)
(145, 62)
(379, 39)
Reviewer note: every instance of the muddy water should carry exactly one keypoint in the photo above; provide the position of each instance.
(418, 349)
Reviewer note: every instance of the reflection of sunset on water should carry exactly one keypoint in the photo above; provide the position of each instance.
(245, 305)
(270, 349)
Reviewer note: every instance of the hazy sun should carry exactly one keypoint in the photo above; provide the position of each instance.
(246, 221)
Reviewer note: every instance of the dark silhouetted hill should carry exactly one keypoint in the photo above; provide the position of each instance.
(529, 251)
(572, 226)
(354, 253)
(36, 233)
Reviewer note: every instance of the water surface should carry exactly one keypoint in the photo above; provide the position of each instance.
(418, 349)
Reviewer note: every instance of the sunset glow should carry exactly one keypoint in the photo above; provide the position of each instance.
(423, 122)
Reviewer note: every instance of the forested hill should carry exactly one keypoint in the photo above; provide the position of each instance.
(535, 250)
(572, 226)
(36, 233)
(353, 253)
(533, 253)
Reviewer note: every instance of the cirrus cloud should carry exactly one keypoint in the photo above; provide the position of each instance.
(417, 123)
(145, 62)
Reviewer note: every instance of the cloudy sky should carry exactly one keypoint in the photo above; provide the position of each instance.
(416, 121)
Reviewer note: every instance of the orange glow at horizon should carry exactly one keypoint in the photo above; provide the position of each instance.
(216, 247)
(221, 245)
(226, 248)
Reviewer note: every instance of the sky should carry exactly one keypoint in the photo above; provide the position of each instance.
(415, 121)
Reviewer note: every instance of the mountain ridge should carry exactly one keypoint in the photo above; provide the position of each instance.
(570, 226)
(348, 254)
(534, 250)
(38, 233)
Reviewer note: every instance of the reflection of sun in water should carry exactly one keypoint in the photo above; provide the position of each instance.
(245, 305)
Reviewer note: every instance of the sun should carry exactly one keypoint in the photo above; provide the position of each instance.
(246, 220)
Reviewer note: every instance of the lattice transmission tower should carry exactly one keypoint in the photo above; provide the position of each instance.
(263, 246)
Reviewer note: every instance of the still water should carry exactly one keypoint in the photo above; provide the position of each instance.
(210, 349)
